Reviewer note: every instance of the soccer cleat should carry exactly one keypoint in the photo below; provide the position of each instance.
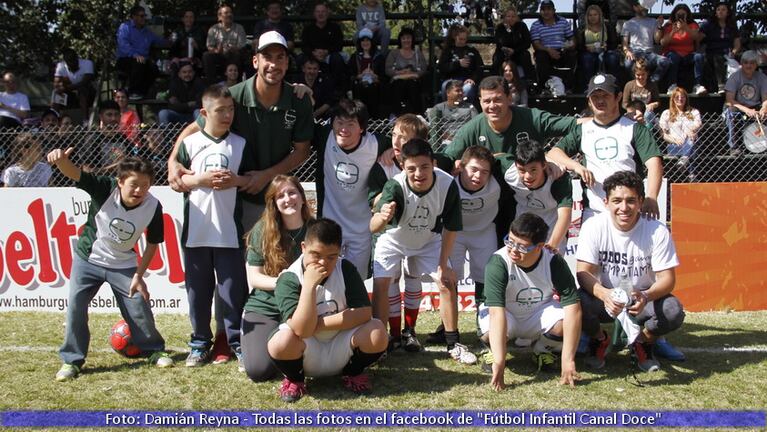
(461, 354)
(358, 384)
(291, 391)
(664, 349)
(67, 372)
(544, 361)
(221, 351)
(486, 362)
(598, 351)
(438, 337)
(161, 359)
(409, 340)
(197, 357)
(643, 358)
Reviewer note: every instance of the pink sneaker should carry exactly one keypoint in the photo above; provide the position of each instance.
(291, 391)
(221, 351)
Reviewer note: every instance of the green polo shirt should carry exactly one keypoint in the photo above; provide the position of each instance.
(269, 132)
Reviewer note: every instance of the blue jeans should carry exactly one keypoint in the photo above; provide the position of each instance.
(657, 63)
(735, 124)
(84, 283)
(686, 149)
(697, 59)
(166, 116)
(591, 62)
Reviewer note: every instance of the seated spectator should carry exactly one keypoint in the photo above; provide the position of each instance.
(639, 43)
(322, 88)
(134, 40)
(226, 42)
(370, 15)
(14, 105)
(678, 39)
(596, 43)
(273, 21)
(75, 76)
(460, 61)
(445, 118)
(512, 42)
(185, 97)
(367, 69)
(107, 147)
(323, 40)
(129, 118)
(406, 66)
(49, 120)
(642, 89)
(635, 111)
(48, 130)
(720, 34)
(155, 146)
(745, 96)
(517, 88)
(680, 124)
(232, 75)
(552, 39)
(187, 42)
(28, 170)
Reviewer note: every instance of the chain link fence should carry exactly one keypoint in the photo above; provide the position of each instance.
(711, 158)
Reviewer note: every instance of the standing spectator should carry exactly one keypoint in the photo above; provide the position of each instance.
(28, 170)
(680, 124)
(642, 89)
(225, 43)
(185, 93)
(552, 39)
(274, 22)
(367, 69)
(512, 42)
(324, 40)
(129, 118)
(76, 76)
(596, 43)
(745, 95)
(187, 42)
(638, 42)
(517, 89)
(134, 40)
(448, 116)
(232, 75)
(14, 105)
(460, 61)
(370, 15)
(678, 39)
(406, 67)
(322, 88)
(720, 34)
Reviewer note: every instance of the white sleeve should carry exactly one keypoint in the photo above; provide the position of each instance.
(61, 69)
(87, 67)
(663, 250)
(24, 103)
(588, 242)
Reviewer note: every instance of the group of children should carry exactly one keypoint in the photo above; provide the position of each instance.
(308, 312)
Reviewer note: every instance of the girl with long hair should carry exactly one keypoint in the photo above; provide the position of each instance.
(517, 88)
(680, 124)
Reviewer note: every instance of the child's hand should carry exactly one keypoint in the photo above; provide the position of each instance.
(137, 285)
(58, 155)
(314, 274)
(224, 180)
(207, 178)
(388, 210)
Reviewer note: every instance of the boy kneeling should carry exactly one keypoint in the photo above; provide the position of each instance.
(327, 326)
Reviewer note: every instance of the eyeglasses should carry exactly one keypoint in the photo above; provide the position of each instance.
(518, 246)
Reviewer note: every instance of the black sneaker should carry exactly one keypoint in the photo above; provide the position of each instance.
(598, 351)
(410, 341)
(643, 358)
(438, 337)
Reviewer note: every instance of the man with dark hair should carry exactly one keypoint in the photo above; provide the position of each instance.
(104, 150)
(620, 251)
(321, 85)
(552, 38)
(134, 40)
(274, 22)
(323, 40)
(77, 76)
(327, 325)
(226, 42)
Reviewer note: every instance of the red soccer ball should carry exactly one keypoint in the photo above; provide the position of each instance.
(120, 340)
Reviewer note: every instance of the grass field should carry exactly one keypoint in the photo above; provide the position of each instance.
(726, 369)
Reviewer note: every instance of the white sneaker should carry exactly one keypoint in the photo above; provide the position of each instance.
(683, 161)
(671, 89)
(461, 354)
(699, 90)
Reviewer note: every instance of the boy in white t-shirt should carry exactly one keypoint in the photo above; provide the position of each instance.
(212, 232)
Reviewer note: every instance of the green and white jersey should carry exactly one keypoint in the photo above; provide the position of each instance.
(480, 208)
(543, 201)
(211, 217)
(112, 230)
(524, 291)
(421, 216)
(343, 290)
(526, 124)
(622, 145)
(379, 175)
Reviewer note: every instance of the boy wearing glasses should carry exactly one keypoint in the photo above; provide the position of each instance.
(520, 281)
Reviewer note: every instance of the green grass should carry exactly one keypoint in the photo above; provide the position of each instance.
(721, 380)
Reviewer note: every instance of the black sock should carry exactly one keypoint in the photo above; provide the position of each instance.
(292, 369)
(359, 361)
(451, 337)
(479, 293)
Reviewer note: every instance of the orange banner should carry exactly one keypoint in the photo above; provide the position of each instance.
(720, 231)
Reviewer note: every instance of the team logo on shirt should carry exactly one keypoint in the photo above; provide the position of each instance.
(606, 148)
(121, 229)
(215, 161)
(327, 307)
(290, 118)
(534, 203)
(347, 175)
(748, 92)
(472, 205)
(420, 219)
(529, 297)
(482, 140)
(523, 137)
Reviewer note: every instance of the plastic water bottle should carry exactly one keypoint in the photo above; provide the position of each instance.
(626, 287)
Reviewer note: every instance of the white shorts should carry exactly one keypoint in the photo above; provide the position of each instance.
(356, 249)
(540, 322)
(481, 245)
(420, 262)
(327, 357)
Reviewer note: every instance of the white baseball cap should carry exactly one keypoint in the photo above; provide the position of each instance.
(271, 38)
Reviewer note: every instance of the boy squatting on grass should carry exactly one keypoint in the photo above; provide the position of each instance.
(121, 210)
(212, 233)
(327, 325)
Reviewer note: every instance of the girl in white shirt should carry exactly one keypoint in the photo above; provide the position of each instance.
(680, 125)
